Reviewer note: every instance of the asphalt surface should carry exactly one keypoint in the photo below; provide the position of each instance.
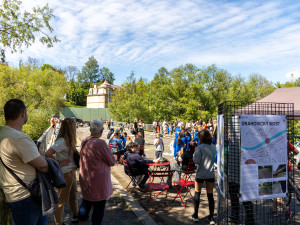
(118, 212)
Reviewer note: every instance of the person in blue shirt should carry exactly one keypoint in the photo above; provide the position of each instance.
(184, 141)
(177, 131)
(187, 140)
(124, 135)
(196, 136)
(180, 144)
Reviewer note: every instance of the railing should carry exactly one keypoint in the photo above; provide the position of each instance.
(45, 139)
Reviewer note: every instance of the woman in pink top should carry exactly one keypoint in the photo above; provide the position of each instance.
(94, 174)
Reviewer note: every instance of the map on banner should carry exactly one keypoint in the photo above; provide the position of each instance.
(263, 157)
(220, 152)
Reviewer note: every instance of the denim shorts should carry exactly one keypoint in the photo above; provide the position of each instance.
(210, 180)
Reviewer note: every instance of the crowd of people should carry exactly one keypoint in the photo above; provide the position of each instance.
(193, 141)
(23, 162)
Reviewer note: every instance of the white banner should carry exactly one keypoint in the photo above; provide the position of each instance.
(263, 157)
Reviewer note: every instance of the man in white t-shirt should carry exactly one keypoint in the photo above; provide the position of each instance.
(20, 154)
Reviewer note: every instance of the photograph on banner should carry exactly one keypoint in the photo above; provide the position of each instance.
(220, 153)
(263, 157)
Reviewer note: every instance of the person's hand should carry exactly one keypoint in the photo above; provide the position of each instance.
(156, 160)
(64, 162)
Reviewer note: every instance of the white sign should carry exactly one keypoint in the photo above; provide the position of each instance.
(263, 157)
(220, 152)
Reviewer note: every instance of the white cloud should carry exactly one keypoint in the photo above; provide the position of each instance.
(149, 34)
(295, 75)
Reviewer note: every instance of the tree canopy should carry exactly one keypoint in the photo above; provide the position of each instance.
(186, 92)
(90, 71)
(18, 28)
(42, 91)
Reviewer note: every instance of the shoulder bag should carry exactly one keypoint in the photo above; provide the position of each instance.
(33, 187)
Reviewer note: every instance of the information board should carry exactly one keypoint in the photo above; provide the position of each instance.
(263, 157)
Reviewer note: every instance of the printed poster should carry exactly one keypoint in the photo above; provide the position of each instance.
(263, 157)
(220, 152)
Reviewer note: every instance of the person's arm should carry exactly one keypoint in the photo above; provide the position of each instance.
(40, 164)
(106, 154)
(50, 154)
(197, 156)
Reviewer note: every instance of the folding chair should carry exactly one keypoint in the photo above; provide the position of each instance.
(115, 151)
(135, 179)
(158, 186)
(185, 182)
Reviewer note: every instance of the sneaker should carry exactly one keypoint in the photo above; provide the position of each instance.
(195, 219)
(273, 212)
(289, 216)
(75, 219)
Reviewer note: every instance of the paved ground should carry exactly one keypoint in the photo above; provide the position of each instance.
(117, 212)
(177, 214)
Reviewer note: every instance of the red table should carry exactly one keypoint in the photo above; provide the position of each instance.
(158, 164)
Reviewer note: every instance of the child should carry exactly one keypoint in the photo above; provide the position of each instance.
(159, 146)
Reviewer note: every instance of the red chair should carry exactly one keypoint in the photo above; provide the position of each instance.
(186, 181)
(135, 179)
(157, 184)
(115, 150)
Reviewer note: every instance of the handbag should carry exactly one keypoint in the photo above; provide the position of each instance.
(76, 157)
(33, 187)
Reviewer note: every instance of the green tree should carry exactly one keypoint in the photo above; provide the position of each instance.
(18, 28)
(90, 71)
(42, 91)
(77, 93)
(105, 74)
(47, 67)
(258, 87)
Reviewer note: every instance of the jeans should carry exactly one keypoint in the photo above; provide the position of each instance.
(145, 172)
(98, 211)
(27, 211)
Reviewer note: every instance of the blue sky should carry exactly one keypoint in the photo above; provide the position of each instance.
(243, 37)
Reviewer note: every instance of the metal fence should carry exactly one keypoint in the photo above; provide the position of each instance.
(85, 114)
(230, 209)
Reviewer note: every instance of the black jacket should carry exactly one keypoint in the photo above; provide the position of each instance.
(137, 164)
(54, 178)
